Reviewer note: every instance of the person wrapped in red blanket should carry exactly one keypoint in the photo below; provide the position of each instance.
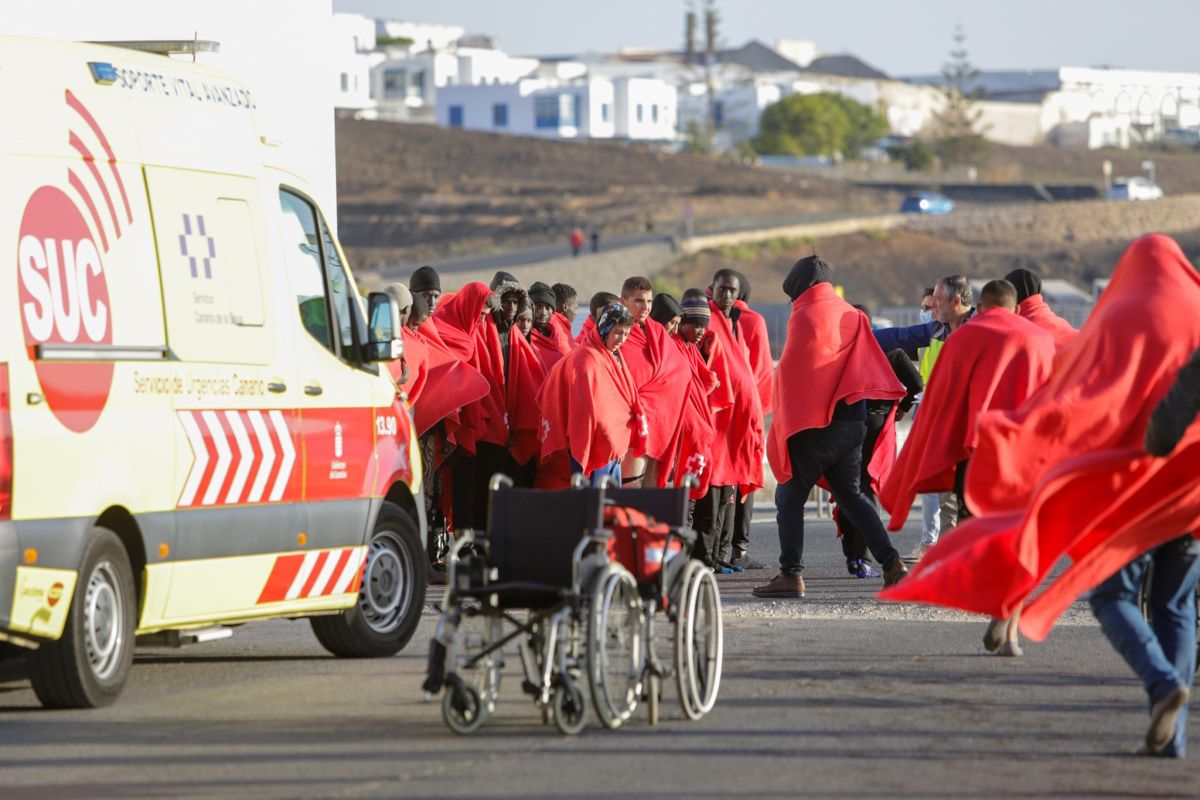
(994, 361)
(1032, 306)
(1065, 474)
(590, 415)
(831, 365)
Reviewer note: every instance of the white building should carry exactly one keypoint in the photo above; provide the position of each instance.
(588, 107)
(353, 45)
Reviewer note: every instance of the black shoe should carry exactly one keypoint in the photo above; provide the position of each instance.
(742, 559)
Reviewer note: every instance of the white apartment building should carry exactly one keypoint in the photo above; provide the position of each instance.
(353, 44)
(588, 107)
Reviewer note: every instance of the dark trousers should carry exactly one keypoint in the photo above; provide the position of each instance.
(854, 544)
(960, 484)
(472, 473)
(834, 452)
(708, 519)
(737, 524)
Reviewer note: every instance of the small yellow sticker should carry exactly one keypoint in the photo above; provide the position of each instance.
(42, 600)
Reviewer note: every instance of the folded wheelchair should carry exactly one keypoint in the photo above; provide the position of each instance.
(579, 600)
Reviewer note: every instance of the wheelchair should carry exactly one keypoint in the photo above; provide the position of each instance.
(522, 580)
(656, 578)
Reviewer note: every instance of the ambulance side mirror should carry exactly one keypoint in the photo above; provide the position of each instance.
(384, 342)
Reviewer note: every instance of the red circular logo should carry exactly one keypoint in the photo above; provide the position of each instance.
(64, 300)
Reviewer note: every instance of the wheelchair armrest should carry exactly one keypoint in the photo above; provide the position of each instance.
(597, 534)
(686, 535)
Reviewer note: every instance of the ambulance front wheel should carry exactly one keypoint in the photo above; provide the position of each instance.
(87, 666)
(391, 597)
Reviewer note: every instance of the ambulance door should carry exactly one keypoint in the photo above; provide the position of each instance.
(237, 473)
(338, 391)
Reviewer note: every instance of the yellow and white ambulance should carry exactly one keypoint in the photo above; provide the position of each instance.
(196, 426)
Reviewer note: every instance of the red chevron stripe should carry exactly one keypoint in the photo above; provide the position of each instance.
(210, 468)
(281, 577)
(312, 576)
(337, 571)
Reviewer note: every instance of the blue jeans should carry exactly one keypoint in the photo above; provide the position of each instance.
(1161, 652)
(611, 469)
(836, 453)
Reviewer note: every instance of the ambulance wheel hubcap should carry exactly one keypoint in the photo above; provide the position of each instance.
(103, 617)
(387, 590)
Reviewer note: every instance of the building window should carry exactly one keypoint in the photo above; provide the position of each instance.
(456, 116)
(345, 82)
(654, 113)
(546, 111)
(395, 83)
(639, 112)
(604, 112)
(417, 86)
(500, 115)
(719, 114)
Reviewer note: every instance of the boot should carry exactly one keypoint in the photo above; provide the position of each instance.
(782, 586)
(894, 573)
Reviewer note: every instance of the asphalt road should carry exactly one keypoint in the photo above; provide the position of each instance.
(833, 696)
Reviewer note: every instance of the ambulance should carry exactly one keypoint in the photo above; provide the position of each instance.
(197, 427)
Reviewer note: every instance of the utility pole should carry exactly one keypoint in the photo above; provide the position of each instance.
(711, 22)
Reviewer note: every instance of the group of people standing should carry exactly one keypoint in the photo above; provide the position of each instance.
(653, 391)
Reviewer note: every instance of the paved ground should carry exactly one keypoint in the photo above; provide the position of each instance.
(833, 696)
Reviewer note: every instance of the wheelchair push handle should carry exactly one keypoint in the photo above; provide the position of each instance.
(499, 481)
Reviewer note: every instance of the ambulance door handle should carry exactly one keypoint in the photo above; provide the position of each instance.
(312, 390)
(278, 387)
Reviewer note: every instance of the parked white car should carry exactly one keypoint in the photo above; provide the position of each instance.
(1134, 189)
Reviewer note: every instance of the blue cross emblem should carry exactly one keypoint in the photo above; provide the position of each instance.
(203, 250)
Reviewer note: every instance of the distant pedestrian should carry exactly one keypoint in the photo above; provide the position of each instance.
(576, 241)
(595, 241)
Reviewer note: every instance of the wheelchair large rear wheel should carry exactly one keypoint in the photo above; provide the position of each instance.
(699, 641)
(615, 654)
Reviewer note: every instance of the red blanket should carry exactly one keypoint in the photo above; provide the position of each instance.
(830, 356)
(550, 348)
(457, 321)
(691, 448)
(439, 384)
(589, 325)
(738, 446)
(559, 323)
(525, 377)
(1094, 495)
(752, 330)
(995, 361)
(589, 409)
(659, 372)
(1034, 309)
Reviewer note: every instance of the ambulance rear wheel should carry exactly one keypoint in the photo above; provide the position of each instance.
(87, 666)
(391, 596)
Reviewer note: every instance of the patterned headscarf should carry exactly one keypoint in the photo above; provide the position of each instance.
(612, 315)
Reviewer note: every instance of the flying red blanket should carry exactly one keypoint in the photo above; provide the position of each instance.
(659, 372)
(1094, 495)
(589, 408)
(752, 330)
(995, 361)
(738, 446)
(691, 449)
(830, 356)
(1034, 309)
(550, 348)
